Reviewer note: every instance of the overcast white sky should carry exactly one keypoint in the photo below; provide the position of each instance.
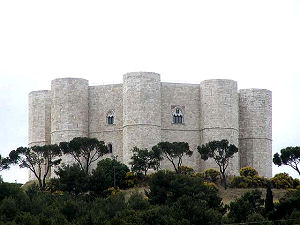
(256, 43)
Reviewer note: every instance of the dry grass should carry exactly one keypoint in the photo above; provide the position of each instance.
(230, 194)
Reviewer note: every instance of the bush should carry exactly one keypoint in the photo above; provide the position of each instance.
(72, 179)
(103, 176)
(137, 201)
(8, 208)
(248, 182)
(211, 175)
(282, 181)
(130, 179)
(250, 202)
(185, 170)
(296, 183)
(248, 171)
(239, 182)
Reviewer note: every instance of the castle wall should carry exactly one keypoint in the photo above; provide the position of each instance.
(103, 99)
(69, 111)
(255, 113)
(141, 111)
(186, 97)
(219, 117)
(39, 119)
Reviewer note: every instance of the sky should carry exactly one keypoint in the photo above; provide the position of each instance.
(256, 43)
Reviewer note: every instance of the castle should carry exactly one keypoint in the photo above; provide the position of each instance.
(144, 111)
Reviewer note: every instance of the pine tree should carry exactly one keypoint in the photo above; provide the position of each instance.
(269, 205)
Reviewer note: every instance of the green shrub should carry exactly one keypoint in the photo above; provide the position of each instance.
(296, 183)
(239, 182)
(185, 170)
(103, 176)
(130, 179)
(8, 208)
(282, 181)
(248, 171)
(250, 202)
(211, 175)
(137, 201)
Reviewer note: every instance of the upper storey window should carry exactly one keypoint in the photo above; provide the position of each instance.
(110, 117)
(177, 115)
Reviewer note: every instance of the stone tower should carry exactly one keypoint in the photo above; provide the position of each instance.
(256, 130)
(141, 111)
(219, 117)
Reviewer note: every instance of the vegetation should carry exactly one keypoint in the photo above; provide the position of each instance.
(84, 196)
(173, 152)
(38, 159)
(248, 179)
(84, 151)
(289, 156)
(221, 152)
(143, 160)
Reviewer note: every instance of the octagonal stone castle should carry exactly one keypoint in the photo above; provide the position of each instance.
(144, 111)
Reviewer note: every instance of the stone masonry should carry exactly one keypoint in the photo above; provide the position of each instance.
(143, 108)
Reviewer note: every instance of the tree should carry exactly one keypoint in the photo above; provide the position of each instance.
(4, 163)
(173, 152)
(221, 152)
(84, 150)
(250, 202)
(269, 205)
(38, 159)
(289, 156)
(143, 160)
(72, 179)
(103, 176)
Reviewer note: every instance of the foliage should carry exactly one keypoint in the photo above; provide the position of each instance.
(282, 180)
(84, 150)
(103, 176)
(137, 201)
(143, 160)
(167, 187)
(71, 179)
(251, 202)
(186, 170)
(287, 205)
(248, 171)
(130, 179)
(211, 175)
(269, 205)
(38, 159)
(289, 156)
(248, 182)
(221, 152)
(174, 152)
(4, 163)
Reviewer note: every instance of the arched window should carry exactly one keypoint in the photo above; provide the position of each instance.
(110, 117)
(177, 115)
(109, 148)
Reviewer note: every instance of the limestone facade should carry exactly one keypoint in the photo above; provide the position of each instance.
(143, 110)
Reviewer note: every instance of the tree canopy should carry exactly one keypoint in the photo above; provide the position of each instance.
(174, 152)
(38, 159)
(84, 151)
(289, 156)
(143, 160)
(221, 152)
